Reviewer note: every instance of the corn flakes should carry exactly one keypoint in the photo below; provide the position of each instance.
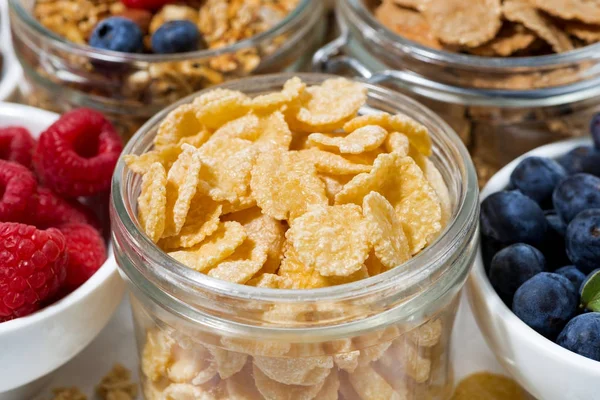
(152, 202)
(363, 139)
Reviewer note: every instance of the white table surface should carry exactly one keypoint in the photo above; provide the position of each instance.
(116, 344)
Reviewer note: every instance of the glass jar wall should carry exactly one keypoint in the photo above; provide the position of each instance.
(501, 107)
(385, 336)
(130, 88)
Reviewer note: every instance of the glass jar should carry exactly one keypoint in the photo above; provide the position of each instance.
(386, 337)
(501, 107)
(130, 88)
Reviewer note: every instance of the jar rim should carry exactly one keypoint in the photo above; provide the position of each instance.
(418, 269)
(295, 16)
(472, 61)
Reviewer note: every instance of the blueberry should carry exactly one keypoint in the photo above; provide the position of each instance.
(536, 178)
(489, 248)
(582, 335)
(513, 266)
(581, 159)
(595, 130)
(573, 274)
(117, 34)
(583, 240)
(575, 194)
(511, 217)
(178, 36)
(546, 303)
(554, 245)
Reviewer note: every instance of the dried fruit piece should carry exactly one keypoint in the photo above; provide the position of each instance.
(331, 104)
(331, 163)
(292, 89)
(386, 232)
(426, 335)
(265, 231)
(362, 139)
(221, 244)
(178, 124)
(306, 371)
(152, 202)
(582, 10)
(229, 363)
(182, 182)
(407, 23)
(463, 23)
(202, 221)
(156, 356)
(484, 385)
(523, 12)
(285, 184)
(403, 184)
(369, 385)
(219, 106)
(273, 390)
(332, 239)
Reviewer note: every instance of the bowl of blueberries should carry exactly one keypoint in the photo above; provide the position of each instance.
(535, 287)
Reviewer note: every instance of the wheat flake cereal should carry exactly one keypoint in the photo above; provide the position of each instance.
(152, 202)
(587, 33)
(284, 184)
(387, 235)
(581, 10)
(218, 246)
(331, 239)
(408, 23)
(464, 23)
(522, 11)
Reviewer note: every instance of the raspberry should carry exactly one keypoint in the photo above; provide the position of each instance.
(32, 268)
(86, 250)
(46, 209)
(77, 154)
(17, 185)
(16, 144)
(151, 5)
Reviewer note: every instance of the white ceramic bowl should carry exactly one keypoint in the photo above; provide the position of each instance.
(543, 368)
(32, 347)
(11, 72)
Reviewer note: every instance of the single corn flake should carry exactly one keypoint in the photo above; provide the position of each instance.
(152, 202)
(407, 23)
(299, 275)
(206, 375)
(241, 386)
(426, 335)
(586, 32)
(240, 271)
(332, 239)
(581, 10)
(245, 127)
(228, 362)
(273, 132)
(386, 233)
(331, 104)
(511, 39)
(284, 184)
(362, 139)
(488, 386)
(219, 106)
(182, 182)
(270, 281)
(304, 371)
(273, 390)
(178, 124)
(369, 385)
(186, 391)
(416, 365)
(436, 180)
(156, 356)
(344, 357)
(331, 163)
(463, 23)
(267, 348)
(380, 119)
(142, 163)
(330, 388)
(417, 134)
(265, 231)
(221, 244)
(202, 221)
(334, 184)
(292, 89)
(187, 363)
(523, 12)
(398, 143)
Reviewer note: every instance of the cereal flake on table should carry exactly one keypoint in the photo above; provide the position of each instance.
(494, 28)
(68, 393)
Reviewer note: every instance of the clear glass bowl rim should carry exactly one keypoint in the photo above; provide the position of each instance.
(302, 10)
(418, 269)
